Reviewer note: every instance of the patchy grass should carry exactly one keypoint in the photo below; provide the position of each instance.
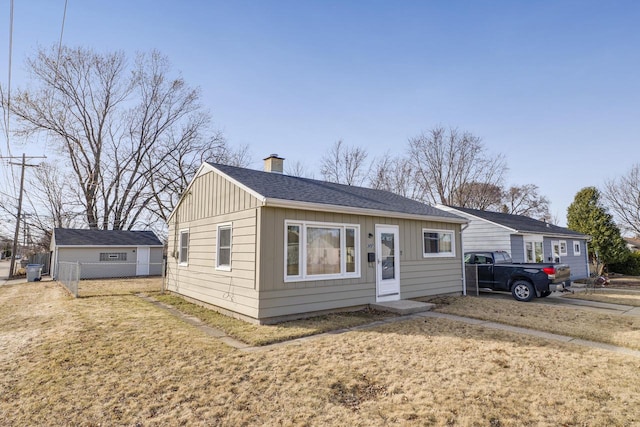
(269, 334)
(122, 361)
(589, 325)
(611, 297)
(120, 286)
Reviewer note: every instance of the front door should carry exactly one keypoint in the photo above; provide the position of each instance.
(555, 251)
(387, 263)
(142, 266)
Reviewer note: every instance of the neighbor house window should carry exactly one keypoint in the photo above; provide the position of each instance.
(223, 256)
(118, 256)
(317, 251)
(438, 243)
(533, 249)
(183, 251)
(576, 248)
(563, 248)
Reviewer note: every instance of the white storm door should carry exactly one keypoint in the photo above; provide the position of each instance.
(387, 263)
(142, 266)
(555, 251)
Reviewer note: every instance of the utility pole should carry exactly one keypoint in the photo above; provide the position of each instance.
(17, 232)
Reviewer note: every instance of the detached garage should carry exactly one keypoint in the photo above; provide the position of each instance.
(107, 253)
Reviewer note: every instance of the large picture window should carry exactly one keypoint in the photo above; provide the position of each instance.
(316, 251)
(223, 255)
(183, 251)
(438, 243)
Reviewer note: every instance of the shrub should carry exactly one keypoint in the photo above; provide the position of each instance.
(630, 267)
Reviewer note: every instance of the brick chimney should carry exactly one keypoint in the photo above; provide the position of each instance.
(273, 163)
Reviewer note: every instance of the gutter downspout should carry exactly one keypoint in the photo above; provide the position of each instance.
(464, 274)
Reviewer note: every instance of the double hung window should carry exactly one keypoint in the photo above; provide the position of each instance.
(183, 250)
(223, 251)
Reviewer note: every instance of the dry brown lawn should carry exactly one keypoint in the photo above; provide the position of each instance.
(120, 360)
(123, 286)
(575, 322)
(268, 334)
(609, 296)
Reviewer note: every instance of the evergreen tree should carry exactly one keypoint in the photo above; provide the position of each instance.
(588, 216)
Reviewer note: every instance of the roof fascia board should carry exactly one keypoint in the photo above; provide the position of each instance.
(249, 190)
(554, 235)
(199, 172)
(204, 169)
(279, 203)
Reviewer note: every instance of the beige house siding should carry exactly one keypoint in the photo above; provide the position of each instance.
(419, 276)
(212, 200)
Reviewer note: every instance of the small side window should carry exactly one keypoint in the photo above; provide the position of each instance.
(183, 251)
(223, 259)
(576, 248)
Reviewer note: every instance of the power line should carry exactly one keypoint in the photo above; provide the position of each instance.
(17, 231)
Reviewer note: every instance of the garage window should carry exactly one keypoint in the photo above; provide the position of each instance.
(113, 256)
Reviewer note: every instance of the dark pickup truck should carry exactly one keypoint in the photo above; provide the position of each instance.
(496, 271)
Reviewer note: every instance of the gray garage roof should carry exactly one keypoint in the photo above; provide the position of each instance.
(521, 223)
(294, 189)
(77, 237)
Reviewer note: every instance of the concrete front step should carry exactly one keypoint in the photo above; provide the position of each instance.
(403, 306)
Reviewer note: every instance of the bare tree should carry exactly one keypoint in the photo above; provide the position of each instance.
(345, 165)
(447, 161)
(298, 169)
(622, 195)
(478, 195)
(394, 174)
(525, 200)
(122, 128)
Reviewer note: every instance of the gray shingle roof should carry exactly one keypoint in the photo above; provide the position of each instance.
(76, 237)
(521, 223)
(295, 189)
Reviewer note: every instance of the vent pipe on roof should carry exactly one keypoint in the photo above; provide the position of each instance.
(274, 164)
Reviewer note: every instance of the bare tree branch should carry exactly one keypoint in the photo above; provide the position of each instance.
(622, 195)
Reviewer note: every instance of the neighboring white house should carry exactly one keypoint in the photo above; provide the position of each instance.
(107, 253)
(525, 239)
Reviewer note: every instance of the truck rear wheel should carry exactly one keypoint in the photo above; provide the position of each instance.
(523, 291)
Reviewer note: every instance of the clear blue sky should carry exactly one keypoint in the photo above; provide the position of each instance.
(552, 85)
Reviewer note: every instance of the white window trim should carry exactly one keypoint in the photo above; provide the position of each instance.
(533, 240)
(303, 277)
(451, 254)
(224, 226)
(566, 249)
(180, 233)
(579, 251)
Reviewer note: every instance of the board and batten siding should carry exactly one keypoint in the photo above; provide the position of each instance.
(210, 201)
(419, 276)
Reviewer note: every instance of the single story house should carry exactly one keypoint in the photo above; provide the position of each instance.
(264, 247)
(107, 253)
(525, 239)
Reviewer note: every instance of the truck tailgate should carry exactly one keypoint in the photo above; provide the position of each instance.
(563, 273)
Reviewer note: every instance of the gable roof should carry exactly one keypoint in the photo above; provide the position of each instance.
(77, 237)
(274, 189)
(521, 224)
